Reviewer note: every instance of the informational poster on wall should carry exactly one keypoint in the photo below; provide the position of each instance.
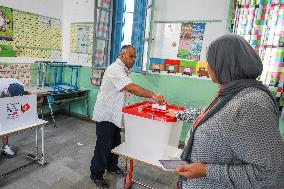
(196, 40)
(169, 40)
(83, 39)
(78, 58)
(191, 38)
(27, 34)
(55, 55)
(6, 24)
(184, 41)
(44, 21)
(177, 48)
(83, 58)
(18, 71)
(81, 43)
(55, 23)
(73, 58)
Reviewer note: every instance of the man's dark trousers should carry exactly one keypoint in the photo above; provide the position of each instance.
(108, 137)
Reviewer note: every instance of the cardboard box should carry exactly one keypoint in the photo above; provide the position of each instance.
(18, 111)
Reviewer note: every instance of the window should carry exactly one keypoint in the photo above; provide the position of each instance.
(136, 30)
(148, 35)
(127, 30)
(118, 28)
(137, 37)
(102, 33)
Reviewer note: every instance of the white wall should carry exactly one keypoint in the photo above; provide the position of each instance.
(172, 10)
(187, 10)
(50, 8)
(70, 11)
(74, 11)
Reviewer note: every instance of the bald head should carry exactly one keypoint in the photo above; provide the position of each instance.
(124, 48)
(128, 55)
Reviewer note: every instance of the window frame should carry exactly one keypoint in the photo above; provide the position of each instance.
(145, 65)
(98, 10)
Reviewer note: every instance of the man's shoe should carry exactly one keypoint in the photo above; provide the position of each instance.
(100, 183)
(117, 172)
(6, 150)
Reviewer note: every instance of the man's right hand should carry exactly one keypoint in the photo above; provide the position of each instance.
(159, 99)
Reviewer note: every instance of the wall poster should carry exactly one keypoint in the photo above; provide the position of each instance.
(6, 24)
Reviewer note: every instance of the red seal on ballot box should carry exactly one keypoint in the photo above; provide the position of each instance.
(25, 108)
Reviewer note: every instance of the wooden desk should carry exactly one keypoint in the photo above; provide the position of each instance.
(38, 156)
(122, 151)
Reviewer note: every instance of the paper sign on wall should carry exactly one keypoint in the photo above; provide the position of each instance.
(83, 58)
(55, 54)
(44, 21)
(83, 33)
(74, 58)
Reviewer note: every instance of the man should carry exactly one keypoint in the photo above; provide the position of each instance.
(9, 87)
(115, 88)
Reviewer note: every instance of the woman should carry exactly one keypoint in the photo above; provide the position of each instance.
(235, 142)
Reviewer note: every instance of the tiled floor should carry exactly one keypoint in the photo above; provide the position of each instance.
(68, 162)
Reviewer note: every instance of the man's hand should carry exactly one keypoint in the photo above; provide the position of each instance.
(159, 99)
(192, 170)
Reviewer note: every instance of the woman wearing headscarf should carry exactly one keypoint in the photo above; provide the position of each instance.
(235, 142)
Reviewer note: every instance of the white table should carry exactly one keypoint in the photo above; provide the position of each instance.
(145, 158)
(37, 157)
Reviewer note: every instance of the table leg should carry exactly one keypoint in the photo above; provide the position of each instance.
(41, 111)
(36, 147)
(42, 161)
(50, 99)
(125, 176)
(36, 157)
(130, 179)
(86, 106)
(127, 185)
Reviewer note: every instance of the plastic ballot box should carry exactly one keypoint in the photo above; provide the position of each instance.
(18, 111)
(149, 132)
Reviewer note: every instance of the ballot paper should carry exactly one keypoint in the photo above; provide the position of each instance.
(160, 107)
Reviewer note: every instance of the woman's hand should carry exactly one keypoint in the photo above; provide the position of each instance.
(192, 170)
(172, 113)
